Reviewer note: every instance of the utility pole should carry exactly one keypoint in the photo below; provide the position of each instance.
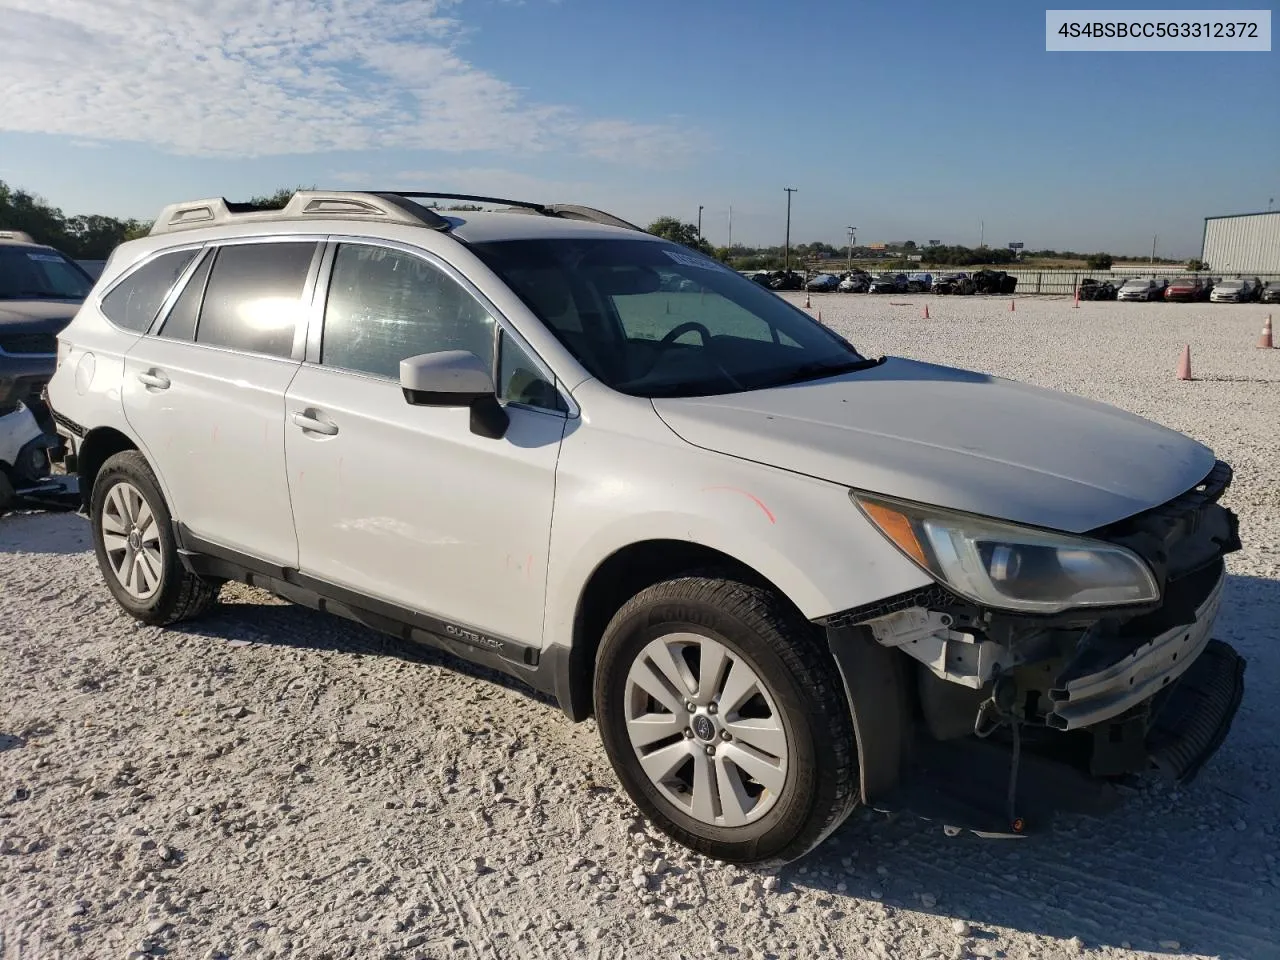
(1153, 248)
(787, 247)
(982, 234)
(851, 230)
(699, 221)
(729, 245)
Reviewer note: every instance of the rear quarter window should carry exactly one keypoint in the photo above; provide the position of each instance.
(134, 302)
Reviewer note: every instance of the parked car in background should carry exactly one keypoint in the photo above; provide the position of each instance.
(1236, 290)
(776, 570)
(957, 283)
(40, 291)
(1271, 292)
(994, 281)
(1187, 290)
(1091, 289)
(1140, 288)
(919, 282)
(887, 283)
(855, 283)
(823, 283)
(786, 280)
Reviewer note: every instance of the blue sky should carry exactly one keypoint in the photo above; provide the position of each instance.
(914, 122)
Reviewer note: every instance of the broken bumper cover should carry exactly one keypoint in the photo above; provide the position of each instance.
(1085, 700)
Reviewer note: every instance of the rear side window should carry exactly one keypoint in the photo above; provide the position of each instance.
(181, 322)
(253, 301)
(135, 301)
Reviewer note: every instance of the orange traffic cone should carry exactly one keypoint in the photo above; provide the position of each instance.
(1077, 303)
(926, 311)
(1011, 307)
(819, 316)
(808, 304)
(1264, 341)
(1184, 365)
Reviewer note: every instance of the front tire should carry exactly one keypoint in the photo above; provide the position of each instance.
(725, 719)
(134, 542)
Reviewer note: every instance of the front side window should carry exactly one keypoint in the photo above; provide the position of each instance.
(253, 300)
(135, 301)
(385, 306)
(650, 318)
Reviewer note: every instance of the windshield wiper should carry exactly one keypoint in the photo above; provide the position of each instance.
(818, 369)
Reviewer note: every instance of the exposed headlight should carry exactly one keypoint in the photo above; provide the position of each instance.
(1010, 567)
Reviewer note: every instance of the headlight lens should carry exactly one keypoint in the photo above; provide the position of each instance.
(1010, 567)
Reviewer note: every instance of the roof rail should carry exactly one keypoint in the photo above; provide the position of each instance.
(386, 206)
(303, 205)
(566, 211)
(16, 235)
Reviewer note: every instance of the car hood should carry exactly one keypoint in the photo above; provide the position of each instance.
(36, 316)
(956, 439)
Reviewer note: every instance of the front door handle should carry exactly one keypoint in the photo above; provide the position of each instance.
(154, 378)
(314, 424)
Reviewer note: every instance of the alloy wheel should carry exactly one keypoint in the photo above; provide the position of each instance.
(131, 538)
(706, 730)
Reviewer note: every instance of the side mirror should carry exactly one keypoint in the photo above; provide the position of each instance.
(455, 378)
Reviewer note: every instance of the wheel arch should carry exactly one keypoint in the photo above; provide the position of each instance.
(618, 578)
(875, 680)
(98, 446)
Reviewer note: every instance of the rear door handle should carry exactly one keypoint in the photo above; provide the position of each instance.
(314, 424)
(154, 378)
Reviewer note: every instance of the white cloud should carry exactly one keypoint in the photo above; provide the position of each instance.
(251, 78)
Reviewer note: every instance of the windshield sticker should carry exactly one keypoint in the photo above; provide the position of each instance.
(44, 257)
(691, 260)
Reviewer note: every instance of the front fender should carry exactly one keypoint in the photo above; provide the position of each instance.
(802, 534)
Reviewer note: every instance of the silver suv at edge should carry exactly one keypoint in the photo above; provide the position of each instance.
(783, 576)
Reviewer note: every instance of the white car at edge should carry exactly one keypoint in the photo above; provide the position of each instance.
(778, 573)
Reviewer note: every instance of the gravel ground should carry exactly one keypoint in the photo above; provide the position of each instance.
(271, 782)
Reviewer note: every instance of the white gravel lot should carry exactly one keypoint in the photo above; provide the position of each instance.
(271, 782)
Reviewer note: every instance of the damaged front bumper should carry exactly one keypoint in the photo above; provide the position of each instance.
(1081, 698)
(1084, 699)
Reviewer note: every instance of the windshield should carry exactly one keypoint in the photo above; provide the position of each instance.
(1230, 284)
(38, 273)
(620, 306)
(1137, 283)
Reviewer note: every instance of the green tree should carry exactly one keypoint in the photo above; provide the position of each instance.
(93, 237)
(909, 245)
(276, 200)
(20, 210)
(670, 228)
(1196, 264)
(1098, 261)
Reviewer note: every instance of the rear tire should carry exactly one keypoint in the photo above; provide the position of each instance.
(136, 549)
(763, 768)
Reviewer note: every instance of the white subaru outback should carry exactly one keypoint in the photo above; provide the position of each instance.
(784, 577)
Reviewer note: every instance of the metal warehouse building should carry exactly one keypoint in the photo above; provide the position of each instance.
(1242, 243)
